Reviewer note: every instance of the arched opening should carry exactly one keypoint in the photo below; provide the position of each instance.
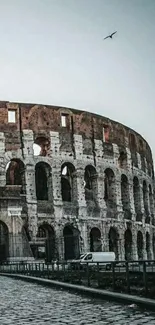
(137, 202)
(68, 183)
(90, 178)
(151, 200)
(109, 188)
(148, 246)
(46, 238)
(71, 242)
(43, 181)
(95, 240)
(113, 241)
(15, 173)
(122, 160)
(145, 198)
(41, 146)
(140, 245)
(128, 244)
(4, 241)
(125, 195)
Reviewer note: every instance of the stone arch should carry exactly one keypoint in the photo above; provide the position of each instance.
(15, 173)
(95, 240)
(71, 242)
(140, 245)
(125, 197)
(137, 198)
(128, 244)
(41, 146)
(68, 182)
(109, 188)
(4, 241)
(113, 241)
(90, 179)
(46, 242)
(148, 246)
(43, 181)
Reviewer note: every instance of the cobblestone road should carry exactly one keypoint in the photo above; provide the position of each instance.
(24, 303)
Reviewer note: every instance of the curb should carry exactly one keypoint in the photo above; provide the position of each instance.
(98, 293)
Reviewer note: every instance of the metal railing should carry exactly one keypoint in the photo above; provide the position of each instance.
(135, 277)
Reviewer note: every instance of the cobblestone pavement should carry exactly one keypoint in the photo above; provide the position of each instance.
(25, 303)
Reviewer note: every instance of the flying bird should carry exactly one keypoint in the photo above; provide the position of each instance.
(110, 36)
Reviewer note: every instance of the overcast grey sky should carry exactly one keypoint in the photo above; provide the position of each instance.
(52, 52)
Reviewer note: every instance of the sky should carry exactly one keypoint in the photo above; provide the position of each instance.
(53, 52)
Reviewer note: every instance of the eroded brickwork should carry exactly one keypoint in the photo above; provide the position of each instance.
(89, 187)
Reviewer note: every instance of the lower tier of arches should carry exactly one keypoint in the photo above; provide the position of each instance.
(68, 241)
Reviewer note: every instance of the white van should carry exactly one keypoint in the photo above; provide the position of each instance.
(104, 259)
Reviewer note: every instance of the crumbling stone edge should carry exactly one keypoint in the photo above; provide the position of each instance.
(144, 303)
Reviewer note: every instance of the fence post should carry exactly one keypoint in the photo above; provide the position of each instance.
(88, 275)
(98, 275)
(145, 277)
(113, 275)
(127, 276)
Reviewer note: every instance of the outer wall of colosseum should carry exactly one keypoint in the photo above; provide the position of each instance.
(88, 188)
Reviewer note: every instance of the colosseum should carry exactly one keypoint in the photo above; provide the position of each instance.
(72, 182)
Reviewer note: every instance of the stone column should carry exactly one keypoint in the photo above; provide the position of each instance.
(56, 178)
(100, 190)
(134, 245)
(144, 247)
(118, 194)
(31, 200)
(80, 187)
(121, 245)
(84, 240)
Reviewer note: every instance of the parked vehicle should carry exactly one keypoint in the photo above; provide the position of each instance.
(103, 259)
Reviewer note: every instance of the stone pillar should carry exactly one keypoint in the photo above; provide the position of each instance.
(116, 153)
(131, 197)
(55, 143)
(139, 161)
(59, 242)
(31, 200)
(144, 247)
(28, 144)
(78, 146)
(84, 240)
(56, 178)
(134, 245)
(121, 245)
(80, 187)
(129, 160)
(118, 194)
(100, 190)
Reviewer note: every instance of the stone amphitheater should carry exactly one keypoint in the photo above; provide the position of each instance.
(72, 182)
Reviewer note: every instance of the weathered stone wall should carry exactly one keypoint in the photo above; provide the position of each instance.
(106, 192)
